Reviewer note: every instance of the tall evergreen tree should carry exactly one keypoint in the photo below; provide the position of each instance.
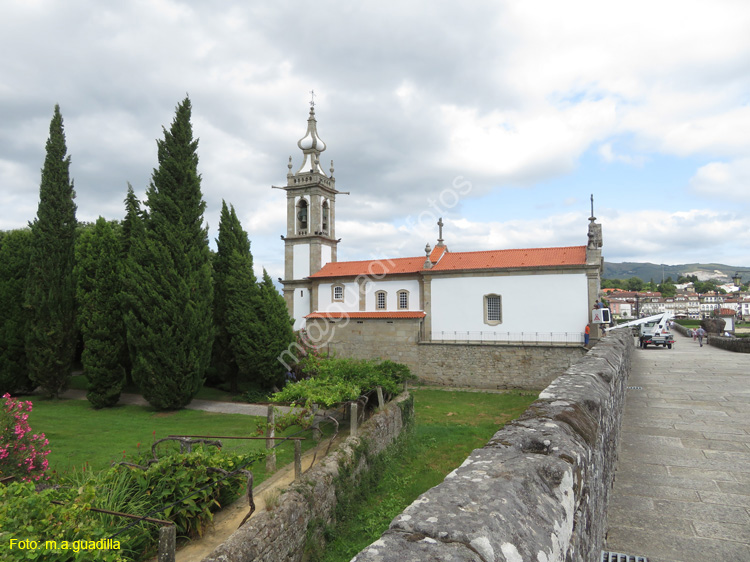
(14, 266)
(235, 290)
(50, 288)
(277, 333)
(168, 289)
(99, 317)
(132, 228)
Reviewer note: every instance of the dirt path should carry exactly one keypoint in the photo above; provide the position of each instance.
(228, 519)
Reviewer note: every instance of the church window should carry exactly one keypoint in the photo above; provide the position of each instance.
(380, 300)
(403, 300)
(338, 292)
(493, 309)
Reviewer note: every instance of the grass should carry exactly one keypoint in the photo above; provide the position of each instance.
(79, 382)
(449, 425)
(82, 436)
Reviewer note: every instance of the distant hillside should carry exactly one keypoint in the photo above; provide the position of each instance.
(649, 271)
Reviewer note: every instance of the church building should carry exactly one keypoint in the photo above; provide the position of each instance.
(484, 318)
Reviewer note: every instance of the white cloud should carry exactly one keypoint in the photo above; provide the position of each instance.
(723, 179)
(409, 96)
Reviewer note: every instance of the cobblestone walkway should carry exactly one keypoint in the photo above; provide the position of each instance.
(682, 488)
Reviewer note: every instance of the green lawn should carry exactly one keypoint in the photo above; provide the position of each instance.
(449, 425)
(80, 435)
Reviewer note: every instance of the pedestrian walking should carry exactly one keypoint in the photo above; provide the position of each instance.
(586, 334)
(700, 332)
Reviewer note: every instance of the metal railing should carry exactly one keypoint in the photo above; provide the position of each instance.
(509, 338)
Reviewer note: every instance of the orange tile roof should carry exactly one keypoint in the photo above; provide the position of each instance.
(357, 314)
(503, 259)
(437, 253)
(375, 268)
(454, 261)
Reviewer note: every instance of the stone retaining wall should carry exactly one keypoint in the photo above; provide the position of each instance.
(538, 491)
(739, 345)
(679, 328)
(494, 366)
(281, 534)
(473, 365)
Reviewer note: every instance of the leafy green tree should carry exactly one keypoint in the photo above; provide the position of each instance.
(168, 289)
(634, 284)
(14, 265)
(277, 333)
(99, 316)
(50, 287)
(236, 298)
(667, 289)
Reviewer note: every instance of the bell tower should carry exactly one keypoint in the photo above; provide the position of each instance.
(310, 241)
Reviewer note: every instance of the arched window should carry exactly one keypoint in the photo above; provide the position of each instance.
(381, 300)
(302, 217)
(493, 309)
(403, 299)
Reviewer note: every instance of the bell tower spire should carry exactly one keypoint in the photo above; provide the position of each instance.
(310, 241)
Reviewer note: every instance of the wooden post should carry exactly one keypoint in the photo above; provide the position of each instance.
(353, 420)
(270, 433)
(381, 401)
(167, 543)
(316, 423)
(297, 459)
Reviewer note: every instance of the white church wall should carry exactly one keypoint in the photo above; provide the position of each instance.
(392, 288)
(301, 307)
(325, 255)
(327, 304)
(301, 263)
(530, 303)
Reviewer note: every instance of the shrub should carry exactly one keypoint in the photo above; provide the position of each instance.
(26, 514)
(333, 380)
(22, 452)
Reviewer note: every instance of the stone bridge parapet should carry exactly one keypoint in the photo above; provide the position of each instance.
(538, 491)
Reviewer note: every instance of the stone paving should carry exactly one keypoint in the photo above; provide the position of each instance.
(682, 487)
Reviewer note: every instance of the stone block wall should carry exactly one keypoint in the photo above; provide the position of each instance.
(738, 345)
(281, 534)
(486, 365)
(494, 366)
(538, 491)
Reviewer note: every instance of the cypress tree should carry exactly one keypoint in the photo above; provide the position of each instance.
(50, 287)
(169, 294)
(99, 317)
(277, 332)
(14, 266)
(235, 296)
(132, 228)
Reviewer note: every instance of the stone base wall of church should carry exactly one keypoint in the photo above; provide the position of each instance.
(494, 366)
(487, 365)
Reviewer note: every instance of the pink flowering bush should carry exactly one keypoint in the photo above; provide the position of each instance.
(22, 453)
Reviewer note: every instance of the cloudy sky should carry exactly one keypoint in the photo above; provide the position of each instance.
(501, 117)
